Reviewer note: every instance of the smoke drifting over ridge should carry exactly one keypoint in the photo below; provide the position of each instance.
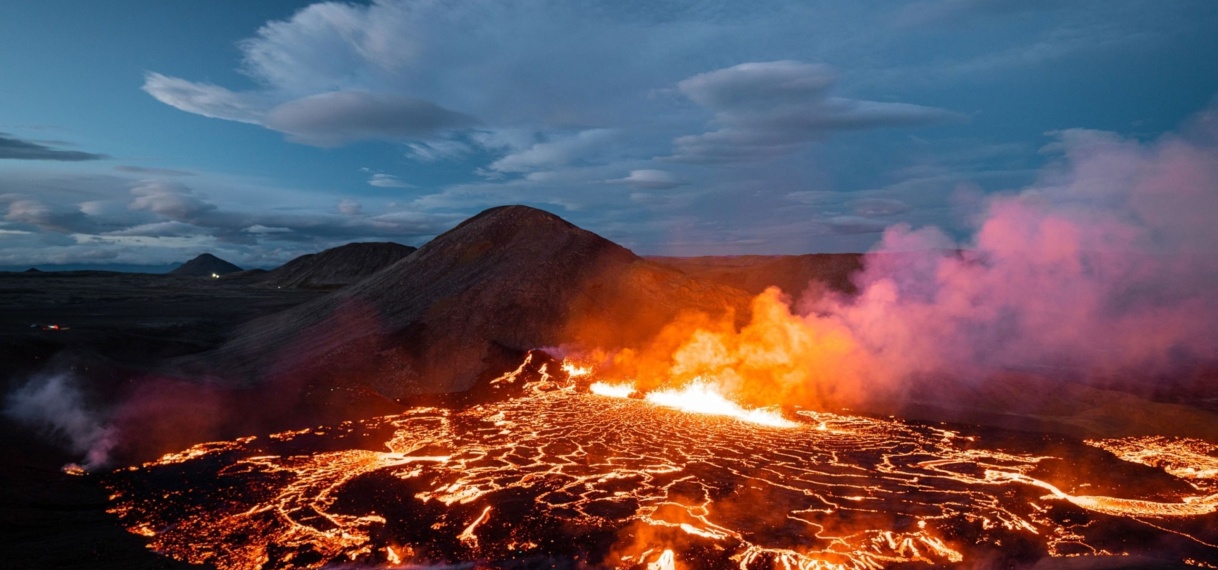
(1103, 268)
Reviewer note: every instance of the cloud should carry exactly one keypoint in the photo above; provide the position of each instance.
(152, 171)
(561, 151)
(767, 109)
(434, 151)
(17, 149)
(340, 117)
(261, 229)
(387, 181)
(141, 221)
(854, 225)
(52, 217)
(324, 119)
(173, 201)
(159, 229)
(350, 207)
(206, 99)
(650, 179)
(879, 207)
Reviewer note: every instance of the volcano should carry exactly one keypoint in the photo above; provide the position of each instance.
(337, 266)
(522, 393)
(205, 265)
(467, 306)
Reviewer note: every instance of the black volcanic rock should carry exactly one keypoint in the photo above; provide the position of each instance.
(204, 266)
(468, 305)
(336, 267)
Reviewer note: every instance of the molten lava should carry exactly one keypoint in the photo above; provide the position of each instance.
(699, 397)
(678, 478)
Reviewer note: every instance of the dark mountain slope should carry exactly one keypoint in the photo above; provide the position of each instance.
(204, 266)
(336, 267)
(466, 306)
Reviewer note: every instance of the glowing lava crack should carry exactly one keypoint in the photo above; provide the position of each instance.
(572, 477)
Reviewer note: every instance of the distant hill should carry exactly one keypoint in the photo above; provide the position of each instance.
(336, 267)
(205, 265)
(468, 305)
(111, 267)
(794, 274)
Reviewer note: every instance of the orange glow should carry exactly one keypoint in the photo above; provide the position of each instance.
(1193, 460)
(467, 536)
(392, 556)
(574, 370)
(666, 561)
(73, 469)
(612, 390)
(698, 397)
(857, 492)
(778, 358)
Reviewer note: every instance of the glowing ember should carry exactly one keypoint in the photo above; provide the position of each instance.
(699, 397)
(73, 469)
(562, 475)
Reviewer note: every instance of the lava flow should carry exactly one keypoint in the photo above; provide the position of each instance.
(599, 475)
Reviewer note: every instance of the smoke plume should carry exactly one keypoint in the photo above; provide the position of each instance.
(1103, 270)
(55, 405)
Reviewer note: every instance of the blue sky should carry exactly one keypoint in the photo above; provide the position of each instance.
(150, 131)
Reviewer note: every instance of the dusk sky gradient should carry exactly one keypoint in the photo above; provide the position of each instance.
(148, 131)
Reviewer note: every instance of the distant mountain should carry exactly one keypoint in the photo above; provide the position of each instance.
(336, 267)
(794, 274)
(205, 265)
(468, 305)
(112, 267)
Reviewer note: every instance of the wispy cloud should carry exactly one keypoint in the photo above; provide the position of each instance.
(650, 179)
(381, 180)
(152, 171)
(767, 109)
(19, 149)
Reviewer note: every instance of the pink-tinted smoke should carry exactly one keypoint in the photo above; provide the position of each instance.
(1106, 266)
